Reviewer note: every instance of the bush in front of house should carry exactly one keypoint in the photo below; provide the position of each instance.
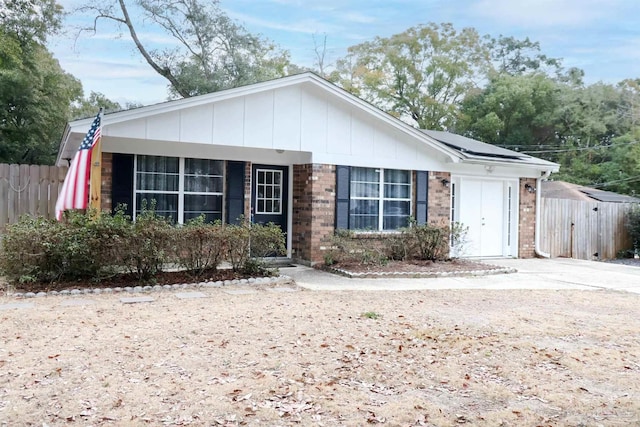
(149, 246)
(199, 246)
(41, 250)
(348, 247)
(248, 244)
(416, 242)
(91, 247)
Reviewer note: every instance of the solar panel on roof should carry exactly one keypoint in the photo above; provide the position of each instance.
(472, 146)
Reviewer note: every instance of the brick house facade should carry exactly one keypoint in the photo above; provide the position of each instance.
(304, 152)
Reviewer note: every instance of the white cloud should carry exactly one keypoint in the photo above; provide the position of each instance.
(545, 13)
(304, 26)
(358, 18)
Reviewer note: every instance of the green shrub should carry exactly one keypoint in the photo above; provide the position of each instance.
(420, 242)
(85, 246)
(149, 245)
(427, 242)
(26, 251)
(238, 239)
(346, 247)
(632, 224)
(199, 246)
(267, 240)
(248, 243)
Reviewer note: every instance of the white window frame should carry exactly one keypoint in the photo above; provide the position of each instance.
(381, 196)
(273, 186)
(181, 185)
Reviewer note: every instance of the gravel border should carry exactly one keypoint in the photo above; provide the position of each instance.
(420, 275)
(279, 280)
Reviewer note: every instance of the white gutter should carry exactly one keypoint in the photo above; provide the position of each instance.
(537, 249)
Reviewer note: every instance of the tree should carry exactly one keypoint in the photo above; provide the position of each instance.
(419, 75)
(516, 57)
(30, 21)
(212, 52)
(512, 110)
(89, 106)
(35, 93)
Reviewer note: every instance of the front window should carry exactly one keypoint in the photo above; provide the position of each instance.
(380, 199)
(181, 188)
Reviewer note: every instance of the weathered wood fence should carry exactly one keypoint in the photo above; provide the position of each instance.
(28, 189)
(583, 230)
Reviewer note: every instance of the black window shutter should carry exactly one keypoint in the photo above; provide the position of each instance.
(343, 188)
(235, 192)
(422, 193)
(122, 182)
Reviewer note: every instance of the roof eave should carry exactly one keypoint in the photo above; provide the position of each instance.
(540, 165)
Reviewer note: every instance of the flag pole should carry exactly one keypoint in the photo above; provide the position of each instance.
(95, 181)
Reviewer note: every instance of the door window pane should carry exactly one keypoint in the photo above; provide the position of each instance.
(268, 191)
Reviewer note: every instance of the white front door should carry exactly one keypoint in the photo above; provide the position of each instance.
(482, 210)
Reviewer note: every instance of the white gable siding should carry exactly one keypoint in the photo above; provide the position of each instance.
(286, 119)
(196, 124)
(228, 122)
(164, 127)
(300, 118)
(258, 120)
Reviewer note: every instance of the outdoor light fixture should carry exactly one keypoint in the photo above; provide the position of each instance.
(529, 188)
(445, 182)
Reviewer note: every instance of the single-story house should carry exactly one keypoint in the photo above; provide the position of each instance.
(304, 153)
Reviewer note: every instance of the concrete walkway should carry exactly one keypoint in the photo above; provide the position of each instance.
(558, 273)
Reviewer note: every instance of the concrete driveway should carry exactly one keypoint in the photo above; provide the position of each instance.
(557, 273)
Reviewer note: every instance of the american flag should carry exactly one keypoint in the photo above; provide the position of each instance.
(75, 189)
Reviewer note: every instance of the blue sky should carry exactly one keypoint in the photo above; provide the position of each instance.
(600, 36)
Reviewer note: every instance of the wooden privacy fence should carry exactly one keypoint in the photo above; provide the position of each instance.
(28, 189)
(583, 230)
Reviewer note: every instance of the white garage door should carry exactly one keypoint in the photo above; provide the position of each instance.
(482, 209)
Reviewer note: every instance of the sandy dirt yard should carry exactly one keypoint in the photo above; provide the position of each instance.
(435, 358)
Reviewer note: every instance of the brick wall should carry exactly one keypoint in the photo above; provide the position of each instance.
(439, 199)
(105, 186)
(527, 220)
(314, 194)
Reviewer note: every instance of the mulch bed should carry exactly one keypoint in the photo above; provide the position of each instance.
(129, 279)
(417, 268)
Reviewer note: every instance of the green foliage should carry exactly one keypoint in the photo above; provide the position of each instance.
(267, 240)
(247, 243)
(424, 242)
(416, 242)
(199, 246)
(516, 57)
(35, 93)
(85, 246)
(92, 246)
(347, 247)
(511, 110)
(420, 74)
(150, 244)
(89, 106)
(211, 51)
(632, 223)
